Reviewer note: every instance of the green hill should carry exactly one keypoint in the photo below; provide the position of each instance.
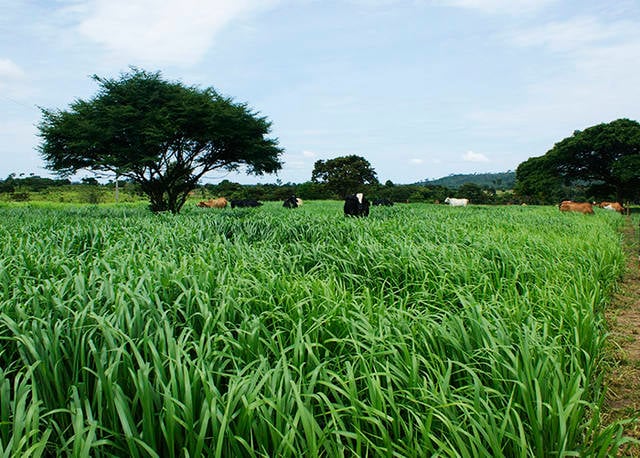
(499, 181)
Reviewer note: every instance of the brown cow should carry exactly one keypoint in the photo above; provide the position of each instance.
(615, 206)
(581, 207)
(213, 203)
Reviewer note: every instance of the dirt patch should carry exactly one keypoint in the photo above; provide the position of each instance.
(623, 318)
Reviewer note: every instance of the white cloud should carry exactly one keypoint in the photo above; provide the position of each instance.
(499, 6)
(471, 156)
(574, 35)
(591, 86)
(10, 70)
(300, 161)
(14, 83)
(416, 161)
(171, 31)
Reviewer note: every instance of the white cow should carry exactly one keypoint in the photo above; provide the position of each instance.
(456, 202)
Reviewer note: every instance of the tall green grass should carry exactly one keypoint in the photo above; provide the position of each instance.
(420, 331)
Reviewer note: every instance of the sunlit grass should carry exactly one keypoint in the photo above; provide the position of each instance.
(422, 330)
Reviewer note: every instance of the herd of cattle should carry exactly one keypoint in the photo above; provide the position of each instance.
(354, 205)
(587, 207)
(358, 205)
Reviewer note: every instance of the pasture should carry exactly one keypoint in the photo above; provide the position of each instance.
(421, 330)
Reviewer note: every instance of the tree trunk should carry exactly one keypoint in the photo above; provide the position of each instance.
(156, 193)
(168, 193)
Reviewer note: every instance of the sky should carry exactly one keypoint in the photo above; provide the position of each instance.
(420, 88)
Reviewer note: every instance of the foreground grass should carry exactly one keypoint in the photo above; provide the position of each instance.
(420, 331)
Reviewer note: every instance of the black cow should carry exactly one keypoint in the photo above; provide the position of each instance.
(292, 202)
(385, 202)
(245, 203)
(356, 205)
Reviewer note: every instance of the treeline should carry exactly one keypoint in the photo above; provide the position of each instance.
(501, 181)
(395, 192)
(89, 190)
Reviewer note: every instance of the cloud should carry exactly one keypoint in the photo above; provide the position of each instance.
(300, 161)
(9, 70)
(14, 83)
(471, 156)
(499, 6)
(574, 35)
(171, 31)
(593, 82)
(416, 161)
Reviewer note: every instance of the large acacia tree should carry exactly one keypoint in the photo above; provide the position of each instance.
(605, 157)
(344, 175)
(163, 135)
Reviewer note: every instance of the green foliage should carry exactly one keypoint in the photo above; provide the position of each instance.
(499, 181)
(605, 156)
(344, 175)
(476, 194)
(537, 184)
(420, 331)
(32, 183)
(163, 135)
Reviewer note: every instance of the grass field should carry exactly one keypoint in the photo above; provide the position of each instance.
(422, 330)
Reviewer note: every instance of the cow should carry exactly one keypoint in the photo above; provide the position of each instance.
(580, 207)
(240, 203)
(356, 205)
(220, 202)
(385, 202)
(292, 202)
(456, 202)
(614, 206)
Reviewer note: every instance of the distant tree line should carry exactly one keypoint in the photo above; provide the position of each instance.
(501, 181)
(89, 190)
(32, 182)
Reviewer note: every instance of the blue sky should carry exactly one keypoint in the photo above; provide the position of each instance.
(420, 88)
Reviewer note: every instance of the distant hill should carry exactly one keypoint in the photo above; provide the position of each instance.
(500, 181)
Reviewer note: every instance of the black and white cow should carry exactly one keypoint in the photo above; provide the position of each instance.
(356, 205)
(292, 202)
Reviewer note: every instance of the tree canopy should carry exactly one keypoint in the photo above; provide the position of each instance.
(344, 175)
(605, 157)
(163, 135)
(537, 181)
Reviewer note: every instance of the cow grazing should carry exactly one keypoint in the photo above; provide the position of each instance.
(580, 207)
(385, 202)
(242, 203)
(292, 202)
(356, 205)
(614, 206)
(456, 202)
(221, 202)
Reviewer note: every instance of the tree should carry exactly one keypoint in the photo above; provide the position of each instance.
(163, 135)
(606, 155)
(344, 175)
(537, 182)
(475, 193)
